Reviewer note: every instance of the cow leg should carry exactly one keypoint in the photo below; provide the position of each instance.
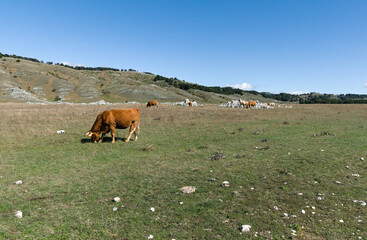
(136, 132)
(132, 129)
(113, 133)
(100, 140)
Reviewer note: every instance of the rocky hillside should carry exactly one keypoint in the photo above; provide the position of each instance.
(31, 81)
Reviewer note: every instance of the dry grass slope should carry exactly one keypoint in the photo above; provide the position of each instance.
(23, 81)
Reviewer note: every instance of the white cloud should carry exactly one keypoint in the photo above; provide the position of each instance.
(67, 63)
(365, 84)
(243, 86)
(299, 92)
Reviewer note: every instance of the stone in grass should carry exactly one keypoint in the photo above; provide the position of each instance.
(18, 182)
(114, 209)
(188, 189)
(225, 184)
(217, 156)
(245, 228)
(150, 236)
(362, 159)
(116, 199)
(19, 214)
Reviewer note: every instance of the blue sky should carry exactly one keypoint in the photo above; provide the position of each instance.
(272, 46)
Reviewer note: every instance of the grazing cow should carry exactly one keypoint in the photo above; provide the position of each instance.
(243, 103)
(152, 103)
(272, 104)
(251, 104)
(190, 104)
(109, 120)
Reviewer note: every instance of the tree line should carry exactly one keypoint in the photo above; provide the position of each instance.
(19, 57)
(308, 98)
(68, 66)
(314, 98)
(224, 90)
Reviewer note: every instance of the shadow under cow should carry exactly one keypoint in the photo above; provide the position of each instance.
(105, 140)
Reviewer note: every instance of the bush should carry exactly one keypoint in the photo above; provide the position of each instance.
(57, 98)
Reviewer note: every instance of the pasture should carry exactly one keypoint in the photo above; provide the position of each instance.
(276, 161)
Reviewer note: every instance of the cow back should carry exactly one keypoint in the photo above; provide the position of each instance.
(121, 118)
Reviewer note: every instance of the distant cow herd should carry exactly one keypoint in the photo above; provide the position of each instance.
(249, 104)
(110, 120)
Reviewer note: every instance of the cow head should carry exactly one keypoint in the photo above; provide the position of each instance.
(93, 135)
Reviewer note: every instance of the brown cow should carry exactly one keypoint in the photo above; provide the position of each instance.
(272, 104)
(251, 104)
(190, 104)
(109, 120)
(152, 103)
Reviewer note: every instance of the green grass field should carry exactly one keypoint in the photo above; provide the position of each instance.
(277, 161)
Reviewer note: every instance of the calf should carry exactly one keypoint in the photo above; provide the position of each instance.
(108, 121)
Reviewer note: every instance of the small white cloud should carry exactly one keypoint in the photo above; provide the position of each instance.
(243, 86)
(299, 92)
(365, 84)
(67, 63)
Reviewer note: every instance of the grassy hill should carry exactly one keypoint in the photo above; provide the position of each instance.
(31, 80)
